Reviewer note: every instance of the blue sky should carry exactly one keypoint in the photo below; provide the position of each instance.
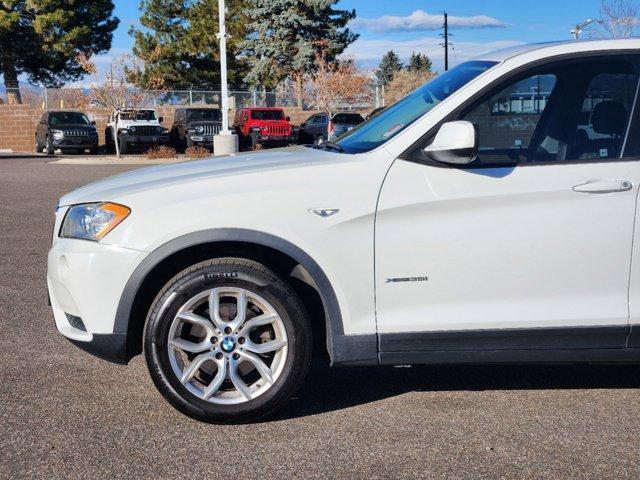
(481, 25)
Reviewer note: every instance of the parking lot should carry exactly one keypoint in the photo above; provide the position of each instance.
(66, 414)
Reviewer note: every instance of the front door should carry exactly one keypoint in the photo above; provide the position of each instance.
(528, 247)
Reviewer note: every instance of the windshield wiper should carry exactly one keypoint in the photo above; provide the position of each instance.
(330, 146)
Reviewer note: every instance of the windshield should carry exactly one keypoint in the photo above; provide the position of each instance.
(267, 114)
(75, 118)
(348, 118)
(138, 115)
(395, 118)
(204, 115)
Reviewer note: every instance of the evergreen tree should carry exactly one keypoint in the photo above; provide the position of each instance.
(419, 63)
(43, 39)
(179, 45)
(389, 66)
(286, 36)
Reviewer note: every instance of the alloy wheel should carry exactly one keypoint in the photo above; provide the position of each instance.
(227, 345)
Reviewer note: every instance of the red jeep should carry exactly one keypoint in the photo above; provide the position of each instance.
(263, 126)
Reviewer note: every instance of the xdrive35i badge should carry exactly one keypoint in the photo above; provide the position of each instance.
(407, 279)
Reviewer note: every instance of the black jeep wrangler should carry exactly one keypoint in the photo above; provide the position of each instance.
(66, 130)
(195, 126)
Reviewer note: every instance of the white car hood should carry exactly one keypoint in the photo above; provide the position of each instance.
(118, 186)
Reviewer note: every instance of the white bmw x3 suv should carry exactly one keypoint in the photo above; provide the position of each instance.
(488, 217)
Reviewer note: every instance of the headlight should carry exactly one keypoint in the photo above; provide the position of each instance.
(57, 134)
(163, 130)
(92, 221)
(132, 130)
(199, 129)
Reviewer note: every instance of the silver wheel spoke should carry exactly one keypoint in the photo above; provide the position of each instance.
(237, 381)
(191, 317)
(220, 377)
(241, 310)
(191, 347)
(263, 370)
(195, 365)
(258, 321)
(271, 346)
(214, 310)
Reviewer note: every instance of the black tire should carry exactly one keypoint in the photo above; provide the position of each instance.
(48, 149)
(252, 277)
(93, 151)
(123, 147)
(109, 144)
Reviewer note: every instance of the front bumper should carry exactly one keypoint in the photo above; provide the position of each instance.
(201, 139)
(86, 143)
(86, 280)
(145, 140)
(272, 139)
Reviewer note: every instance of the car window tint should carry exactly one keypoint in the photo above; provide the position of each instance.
(507, 120)
(76, 118)
(204, 115)
(267, 115)
(573, 111)
(348, 118)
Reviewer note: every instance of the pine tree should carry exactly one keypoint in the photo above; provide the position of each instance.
(286, 36)
(389, 66)
(179, 46)
(419, 63)
(43, 39)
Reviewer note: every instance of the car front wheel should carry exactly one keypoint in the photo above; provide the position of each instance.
(227, 341)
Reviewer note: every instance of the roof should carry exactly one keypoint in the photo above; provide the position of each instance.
(564, 45)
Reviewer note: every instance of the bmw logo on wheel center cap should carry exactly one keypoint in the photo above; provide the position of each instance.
(228, 344)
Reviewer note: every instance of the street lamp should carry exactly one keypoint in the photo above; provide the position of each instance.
(226, 142)
(577, 31)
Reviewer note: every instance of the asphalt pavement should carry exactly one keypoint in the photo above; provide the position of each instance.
(65, 414)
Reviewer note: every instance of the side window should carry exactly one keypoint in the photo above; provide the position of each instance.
(572, 111)
(606, 107)
(507, 120)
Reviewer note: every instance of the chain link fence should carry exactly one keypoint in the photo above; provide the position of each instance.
(59, 98)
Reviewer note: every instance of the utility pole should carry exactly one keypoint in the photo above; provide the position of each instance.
(226, 142)
(446, 41)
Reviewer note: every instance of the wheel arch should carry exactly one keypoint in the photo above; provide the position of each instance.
(279, 254)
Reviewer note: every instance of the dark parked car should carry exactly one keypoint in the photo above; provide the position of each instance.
(341, 123)
(314, 129)
(66, 130)
(195, 126)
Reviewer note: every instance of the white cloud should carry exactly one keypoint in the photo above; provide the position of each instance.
(420, 20)
(369, 52)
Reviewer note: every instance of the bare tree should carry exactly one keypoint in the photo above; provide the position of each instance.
(336, 86)
(405, 82)
(618, 19)
(113, 91)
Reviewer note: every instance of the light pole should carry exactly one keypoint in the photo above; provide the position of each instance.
(577, 31)
(226, 142)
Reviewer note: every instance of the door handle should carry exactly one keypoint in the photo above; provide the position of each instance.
(604, 186)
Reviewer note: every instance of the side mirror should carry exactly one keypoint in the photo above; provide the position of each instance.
(455, 143)
(160, 119)
(288, 119)
(93, 122)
